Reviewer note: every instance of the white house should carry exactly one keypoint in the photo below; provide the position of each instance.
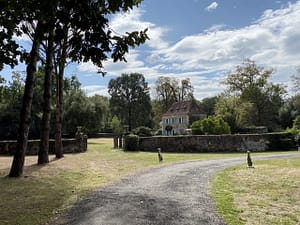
(180, 116)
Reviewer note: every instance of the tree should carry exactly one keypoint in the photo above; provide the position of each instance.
(236, 112)
(34, 13)
(10, 104)
(86, 36)
(289, 110)
(250, 83)
(169, 91)
(296, 123)
(166, 91)
(247, 76)
(130, 100)
(296, 128)
(116, 125)
(25, 115)
(116, 129)
(12, 94)
(9, 20)
(210, 125)
(91, 113)
(158, 111)
(296, 81)
(103, 116)
(45, 123)
(185, 90)
(80, 112)
(208, 105)
(86, 47)
(38, 103)
(92, 40)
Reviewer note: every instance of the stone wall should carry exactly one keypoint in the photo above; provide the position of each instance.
(71, 145)
(219, 143)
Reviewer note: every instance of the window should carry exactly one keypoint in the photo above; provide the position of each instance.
(173, 120)
(180, 120)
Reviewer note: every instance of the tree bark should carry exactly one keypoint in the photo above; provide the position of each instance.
(129, 119)
(45, 123)
(25, 115)
(59, 112)
(59, 99)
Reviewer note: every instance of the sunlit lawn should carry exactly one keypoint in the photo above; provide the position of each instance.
(269, 194)
(45, 191)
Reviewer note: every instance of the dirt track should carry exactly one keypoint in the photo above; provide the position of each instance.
(174, 194)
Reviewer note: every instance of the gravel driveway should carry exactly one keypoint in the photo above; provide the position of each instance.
(174, 194)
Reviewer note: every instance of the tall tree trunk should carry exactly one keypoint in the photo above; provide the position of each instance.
(45, 123)
(59, 111)
(25, 115)
(129, 119)
(59, 98)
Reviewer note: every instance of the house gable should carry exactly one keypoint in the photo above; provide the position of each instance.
(180, 115)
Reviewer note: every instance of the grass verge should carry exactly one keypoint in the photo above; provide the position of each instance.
(45, 191)
(269, 194)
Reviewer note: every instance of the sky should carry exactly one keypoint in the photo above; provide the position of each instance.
(202, 40)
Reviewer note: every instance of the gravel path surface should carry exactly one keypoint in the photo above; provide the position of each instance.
(174, 194)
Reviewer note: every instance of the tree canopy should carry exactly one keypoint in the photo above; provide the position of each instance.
(236, 112)
(296, 81)
(170, 90)
(130, 100)
(250, 83)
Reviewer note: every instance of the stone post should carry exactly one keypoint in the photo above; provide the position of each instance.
(121, 141)
(115, 142)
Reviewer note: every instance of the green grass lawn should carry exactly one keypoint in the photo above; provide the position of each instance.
(269, 194)
(45, 191)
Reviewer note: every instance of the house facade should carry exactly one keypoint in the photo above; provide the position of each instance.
(180, 116)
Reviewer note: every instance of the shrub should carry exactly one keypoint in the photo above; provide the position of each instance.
(210, 125)
(296, 124)
(143, 131)
(197, 128)
(131, 143)
(295, 130)
(116, 125)
(169, 129)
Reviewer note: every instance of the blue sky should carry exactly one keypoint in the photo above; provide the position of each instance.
(203, 40)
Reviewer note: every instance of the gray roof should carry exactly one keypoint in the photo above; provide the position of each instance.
(184, 108)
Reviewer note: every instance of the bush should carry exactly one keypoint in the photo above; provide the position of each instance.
(143, 131)
(197, 128)
(295, 130)
(210, 125)
(296, 124)
(131, 143)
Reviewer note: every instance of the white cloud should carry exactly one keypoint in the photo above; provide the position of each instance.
(91, 90)
(133, 65)
(272, 41)
(212, 6)
(215, 28)
(131, 21)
